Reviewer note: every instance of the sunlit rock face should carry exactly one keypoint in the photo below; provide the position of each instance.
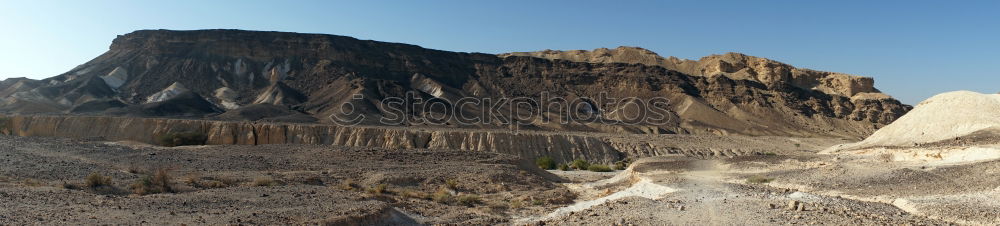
(203, 73)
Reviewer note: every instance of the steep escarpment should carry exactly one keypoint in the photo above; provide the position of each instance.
(208, 73)
(864, 98)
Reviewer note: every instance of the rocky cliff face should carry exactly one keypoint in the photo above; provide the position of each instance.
(732, 65)
(202, 74)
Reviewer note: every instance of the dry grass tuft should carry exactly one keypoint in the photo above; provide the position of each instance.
(95, 180)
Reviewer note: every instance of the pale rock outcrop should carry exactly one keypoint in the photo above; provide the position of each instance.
(167, 93)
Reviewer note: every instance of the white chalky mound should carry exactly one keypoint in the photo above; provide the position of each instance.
(944, 116)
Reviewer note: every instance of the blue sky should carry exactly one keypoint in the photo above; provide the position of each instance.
(914, 49)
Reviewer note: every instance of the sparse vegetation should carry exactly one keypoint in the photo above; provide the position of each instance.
(159, 182)
(758, 179)
(70, 186)
(209, 182)
(313, 180)
(265, 182)
(770, 154)
(95, 180)
(442, 196)
(4, 124)
(579, 164)
(546, 163)
(887, 157)
(378, 189)
(516, 204)
(414, 194)
(347, 185)
(621, 165)
(563, 167)
(181, 139)
(599, 168)
(451, 183)
(468, 200)
(32, 183)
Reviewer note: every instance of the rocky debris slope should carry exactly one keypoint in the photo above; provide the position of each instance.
(316, 74)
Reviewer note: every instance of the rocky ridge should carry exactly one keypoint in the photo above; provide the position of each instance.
(314, 74)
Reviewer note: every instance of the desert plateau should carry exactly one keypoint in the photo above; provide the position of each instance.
(253, 127)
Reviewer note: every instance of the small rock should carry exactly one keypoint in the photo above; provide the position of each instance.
(792, 205)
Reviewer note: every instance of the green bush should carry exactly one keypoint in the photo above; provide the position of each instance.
(546, 163)
(95, 180)
(181, 139)
(579, 164)
(599, 168)
(563, 167)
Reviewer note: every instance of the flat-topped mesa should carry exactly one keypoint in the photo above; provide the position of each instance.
(731, 65)
(282, 76)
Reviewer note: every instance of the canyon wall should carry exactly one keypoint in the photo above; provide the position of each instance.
(529, 145)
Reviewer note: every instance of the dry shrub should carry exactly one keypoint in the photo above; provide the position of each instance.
(348, 185)
(442, 196)
(265, 182)
(579, 164)
(209, 182)
(621, 165)
(886, 157)
(95, 180)
(313, 180)
(599, 168)
(546, 163)
(758, 179)
(468, 200)
(414, 194)
(451, 183)
(159, 182)
(516, 204)
(378, 189)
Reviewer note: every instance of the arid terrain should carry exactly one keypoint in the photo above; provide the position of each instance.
(233, 127)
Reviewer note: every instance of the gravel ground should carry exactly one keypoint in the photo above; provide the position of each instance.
(716, 192)
(42, 181)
